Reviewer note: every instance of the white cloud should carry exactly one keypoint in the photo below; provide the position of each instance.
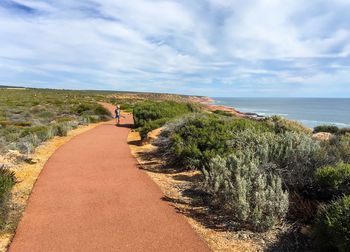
(138, 44)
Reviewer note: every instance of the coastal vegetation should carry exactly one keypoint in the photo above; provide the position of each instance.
(150, 115)
(332, 226)
(30, 117)
(331, 129)
(7, 180)
(262, 173)
(223, 112)
(259, 173)
(334, 180)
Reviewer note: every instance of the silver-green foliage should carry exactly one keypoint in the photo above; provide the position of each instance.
(292, 155)
(27, 143)
(242, 186)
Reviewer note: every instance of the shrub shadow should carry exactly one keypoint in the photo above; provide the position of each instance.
(290, 241)
(154, 163)
(135, 142)
(198, 205)
(126, 125)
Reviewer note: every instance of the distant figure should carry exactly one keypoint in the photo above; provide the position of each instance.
(117, 115)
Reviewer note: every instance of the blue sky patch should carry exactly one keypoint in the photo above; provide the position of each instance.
(210, 47)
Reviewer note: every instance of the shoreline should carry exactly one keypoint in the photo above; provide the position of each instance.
(209, 104)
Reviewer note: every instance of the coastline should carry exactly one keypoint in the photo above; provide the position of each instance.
(310, 112)
(209, 104)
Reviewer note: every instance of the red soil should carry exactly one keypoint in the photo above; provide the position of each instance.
(207, 102)
(224, 108)
(91, 196)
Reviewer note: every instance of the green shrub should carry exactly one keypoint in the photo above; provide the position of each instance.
(344, 131)
(101, 111)
(282, 125)
(152, 125)
(331, 230)
(223, 113)
(18, 124)
(61, 129)
(155, 114)
(127, 107)
(241, 185)
(5, 123)
(192, 141)
(334, 180)
(40, 131)
(326, 128)
(7, 180)
(23, 124)
(293, 155)
(46, 114)
(337, 150)
(81, 108)
(43, 114)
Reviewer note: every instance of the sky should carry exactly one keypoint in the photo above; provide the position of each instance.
(250, 48)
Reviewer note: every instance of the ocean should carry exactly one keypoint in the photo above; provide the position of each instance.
(309, 111)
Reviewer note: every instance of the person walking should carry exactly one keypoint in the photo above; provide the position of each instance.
(117, 115)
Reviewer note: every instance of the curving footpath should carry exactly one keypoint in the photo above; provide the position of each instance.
(91, 196)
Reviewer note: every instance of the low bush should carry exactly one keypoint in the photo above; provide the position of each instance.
(326, 128)
(151, 125)
(334, 180)
(23, 124)
(29, 138)
(223, 113)
(127, 106)
(81, 108)
(7, 180)
(331, 231)
(18, 124)
(102, 111)
(151, 115)
(282, 125)
(61, 129)
(344, 131)
(241, 185)
(337, 149)
(293, 155)
(43, 114)
(5, 123)
(193, 140)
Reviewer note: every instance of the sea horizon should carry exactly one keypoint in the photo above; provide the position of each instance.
(310, 111)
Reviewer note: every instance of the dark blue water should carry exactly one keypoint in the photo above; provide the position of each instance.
(309, 111)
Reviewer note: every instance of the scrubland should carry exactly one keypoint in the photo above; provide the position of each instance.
(268, 175)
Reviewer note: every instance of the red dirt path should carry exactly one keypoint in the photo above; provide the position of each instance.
(91, 196)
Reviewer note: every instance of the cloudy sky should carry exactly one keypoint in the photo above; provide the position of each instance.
(203, 47)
